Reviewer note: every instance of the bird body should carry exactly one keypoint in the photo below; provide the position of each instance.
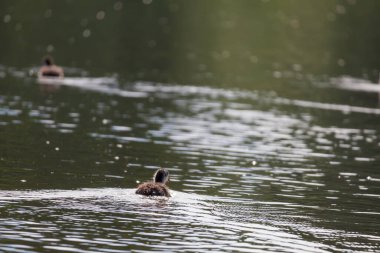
(156, 187)
(153, 189)
(49, 69)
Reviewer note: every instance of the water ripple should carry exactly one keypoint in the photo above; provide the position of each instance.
(186, 222)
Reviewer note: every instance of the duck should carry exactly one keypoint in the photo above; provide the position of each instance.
(156, 187)
(49, 69)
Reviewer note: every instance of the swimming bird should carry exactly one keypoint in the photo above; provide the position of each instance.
(49, 69)
(156, 187)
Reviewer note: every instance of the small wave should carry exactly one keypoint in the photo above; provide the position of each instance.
(355, 84)
(188, 222)
(99, 84)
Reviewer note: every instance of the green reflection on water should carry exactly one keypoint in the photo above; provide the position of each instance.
(231, 43)
(280, 46)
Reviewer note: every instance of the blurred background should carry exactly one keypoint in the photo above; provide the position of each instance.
(265, 112)
(222, 43)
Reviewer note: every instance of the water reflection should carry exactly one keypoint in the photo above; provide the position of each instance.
(185, 222)
(105, 85)
(305, 169)
(267, 151)
(355, 84)
(240, 43)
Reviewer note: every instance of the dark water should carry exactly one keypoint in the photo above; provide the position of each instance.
(265, 113)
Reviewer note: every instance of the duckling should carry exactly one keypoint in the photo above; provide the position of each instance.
(49, 69)
(157, 187)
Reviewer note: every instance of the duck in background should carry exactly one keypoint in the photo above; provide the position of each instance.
(157, 187)
(49, 69)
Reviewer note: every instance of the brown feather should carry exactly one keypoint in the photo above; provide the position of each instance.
(153, 189)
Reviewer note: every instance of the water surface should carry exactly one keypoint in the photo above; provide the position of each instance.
(250, 170)
(265, 113)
